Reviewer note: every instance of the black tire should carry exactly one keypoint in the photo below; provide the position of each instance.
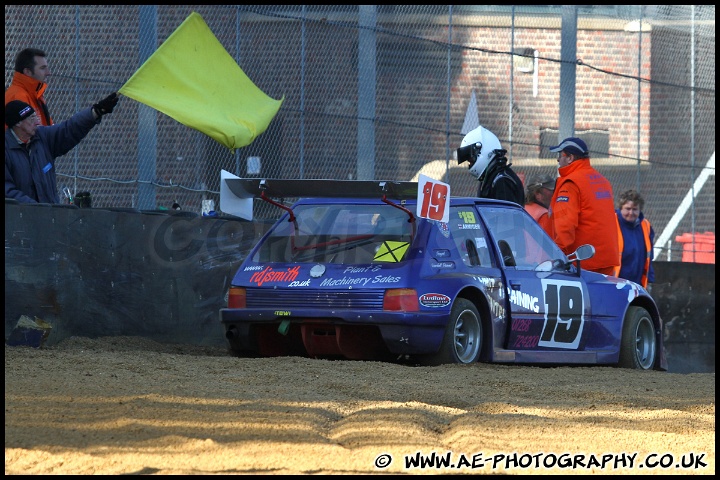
(638, 346)
(463, 338)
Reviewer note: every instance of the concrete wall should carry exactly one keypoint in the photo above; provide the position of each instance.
(96, 272)
(163, 275)
(685, 294)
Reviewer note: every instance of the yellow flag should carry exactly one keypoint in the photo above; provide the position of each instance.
(193, 79)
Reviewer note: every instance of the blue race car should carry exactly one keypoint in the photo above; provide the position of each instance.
(389, 271)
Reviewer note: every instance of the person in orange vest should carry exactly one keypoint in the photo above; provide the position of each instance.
(30, 82)
(538, 193)
(635, 240)
(582, 210)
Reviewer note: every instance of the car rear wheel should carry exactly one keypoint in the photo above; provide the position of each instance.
(638, 345)
(463, 338)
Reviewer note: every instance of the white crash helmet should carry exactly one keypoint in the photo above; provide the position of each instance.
(478, 147)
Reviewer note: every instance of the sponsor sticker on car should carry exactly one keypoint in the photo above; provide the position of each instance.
(434, 300)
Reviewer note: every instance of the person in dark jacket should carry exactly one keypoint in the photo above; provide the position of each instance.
(636, 237)
(488, 163)
(31, 149)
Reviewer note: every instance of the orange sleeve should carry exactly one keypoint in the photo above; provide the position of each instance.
(544, 222)
(14, 93)
(565, 216)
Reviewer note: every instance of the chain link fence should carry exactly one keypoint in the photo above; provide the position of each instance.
(388, 91)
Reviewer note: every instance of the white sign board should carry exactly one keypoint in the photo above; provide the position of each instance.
(433, 200)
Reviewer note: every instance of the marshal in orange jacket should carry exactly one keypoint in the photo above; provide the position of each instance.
(31, 92)
(582, 211)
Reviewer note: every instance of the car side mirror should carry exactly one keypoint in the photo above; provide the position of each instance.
(583, 252)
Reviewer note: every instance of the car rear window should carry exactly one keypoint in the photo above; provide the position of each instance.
(345, 234)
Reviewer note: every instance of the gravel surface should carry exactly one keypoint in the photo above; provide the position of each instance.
(128, 405)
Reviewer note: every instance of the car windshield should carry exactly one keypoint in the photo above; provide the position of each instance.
(344, 234)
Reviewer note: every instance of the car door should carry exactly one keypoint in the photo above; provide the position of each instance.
(549, 310)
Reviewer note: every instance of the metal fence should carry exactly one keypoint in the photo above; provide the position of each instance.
(387, 91)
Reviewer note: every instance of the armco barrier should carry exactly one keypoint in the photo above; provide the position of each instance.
(163, 275)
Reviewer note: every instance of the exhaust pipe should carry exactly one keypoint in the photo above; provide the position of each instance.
(231, 333)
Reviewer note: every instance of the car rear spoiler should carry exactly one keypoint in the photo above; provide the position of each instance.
(237, 194)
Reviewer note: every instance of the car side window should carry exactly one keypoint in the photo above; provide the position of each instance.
(522, 243)
(470, 237)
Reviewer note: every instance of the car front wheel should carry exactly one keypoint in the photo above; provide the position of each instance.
(463, 338)
(638, 345)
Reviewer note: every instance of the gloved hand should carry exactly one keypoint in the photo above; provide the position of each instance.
(106, 105)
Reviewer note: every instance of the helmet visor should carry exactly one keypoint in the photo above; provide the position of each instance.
(469, 153)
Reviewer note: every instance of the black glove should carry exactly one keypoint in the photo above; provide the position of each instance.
(106, 105)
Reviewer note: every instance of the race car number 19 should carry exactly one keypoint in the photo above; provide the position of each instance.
(565, 314)
(433, 197)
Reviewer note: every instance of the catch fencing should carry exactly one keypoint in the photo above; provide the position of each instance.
(388, 91)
